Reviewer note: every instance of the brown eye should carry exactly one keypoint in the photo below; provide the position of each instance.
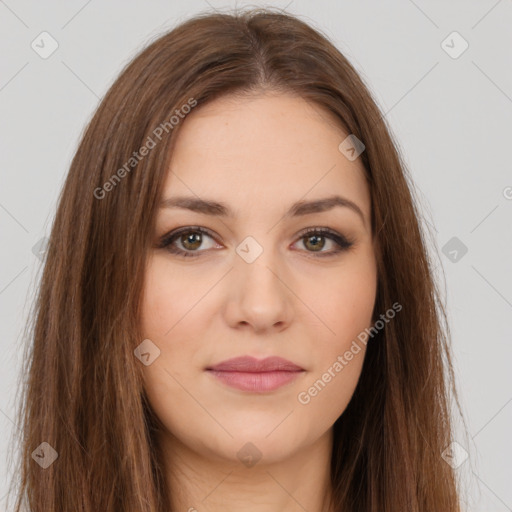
(315, 242)
(191, 241)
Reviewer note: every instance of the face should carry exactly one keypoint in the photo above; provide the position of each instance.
(265, 270)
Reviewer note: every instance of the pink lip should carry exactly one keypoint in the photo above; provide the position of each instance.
(258, 375)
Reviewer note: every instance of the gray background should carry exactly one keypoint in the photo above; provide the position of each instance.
(451, 116)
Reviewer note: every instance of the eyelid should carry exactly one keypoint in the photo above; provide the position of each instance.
(343, 242)
(171, 235)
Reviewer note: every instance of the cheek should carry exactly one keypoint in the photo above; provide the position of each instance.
(345, 303)
(166, 302)
(170, 293)
(326, 396)
(338, 359)
(345, 299)
(156, 293)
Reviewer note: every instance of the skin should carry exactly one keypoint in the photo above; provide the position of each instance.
(258, 154)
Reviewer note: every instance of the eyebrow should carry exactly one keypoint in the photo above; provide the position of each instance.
(297, 209)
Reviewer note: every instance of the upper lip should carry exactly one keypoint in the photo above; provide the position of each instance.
(251, 364)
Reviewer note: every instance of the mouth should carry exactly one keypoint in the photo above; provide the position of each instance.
(256, 375)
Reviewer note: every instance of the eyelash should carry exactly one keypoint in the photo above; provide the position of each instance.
(341, 241)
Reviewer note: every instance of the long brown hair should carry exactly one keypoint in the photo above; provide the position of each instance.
(83, 393)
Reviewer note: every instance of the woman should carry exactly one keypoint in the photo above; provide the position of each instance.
(237, 308)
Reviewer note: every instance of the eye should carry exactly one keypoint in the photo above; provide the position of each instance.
(190, 239)
(187, 241)
(314, 239)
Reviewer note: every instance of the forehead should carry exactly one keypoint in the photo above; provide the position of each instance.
(256, 152)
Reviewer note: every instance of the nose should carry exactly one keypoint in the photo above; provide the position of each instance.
(259, 297)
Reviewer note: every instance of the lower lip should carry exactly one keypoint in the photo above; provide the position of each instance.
(255, 381)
